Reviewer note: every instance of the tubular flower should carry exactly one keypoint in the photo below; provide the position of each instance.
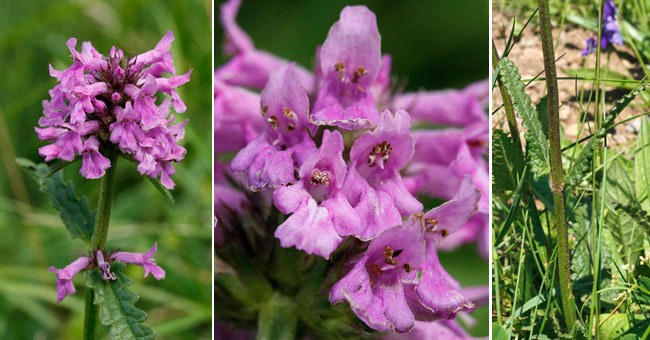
(399, 277)
(374, 186)
(64, 276)
(349, 63)
(145, 260)
(271, 158)
(109, 102)
(321, 213)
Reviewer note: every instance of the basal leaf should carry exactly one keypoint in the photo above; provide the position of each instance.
(642, 165)
(535, 138)
(624, 229)
(621, 326)
(507, 162)
(74, 212)
(116, 305)
(582, 164)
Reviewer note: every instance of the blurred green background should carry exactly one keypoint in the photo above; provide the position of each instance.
(434, 45)
(33, 35)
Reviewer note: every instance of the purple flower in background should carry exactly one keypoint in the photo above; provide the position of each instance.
(320, 211)
(64, 276)
(349, 62)
(591, 46)
(610, 33)
(448, 107)
(145, 260)
(374, 185)
(270, 159)
(103, 101)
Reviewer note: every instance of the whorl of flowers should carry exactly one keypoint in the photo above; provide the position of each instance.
(102, 104)
(339, 154)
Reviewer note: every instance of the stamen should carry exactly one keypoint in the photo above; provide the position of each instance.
(380, 151)
(431, 223)
(290, 127)
(273, 120)
(322, 178)
(444, 232)
(287, 113)
(340, 68)
(388, 252)
(265, 110)
(407, 267)
(361, 71)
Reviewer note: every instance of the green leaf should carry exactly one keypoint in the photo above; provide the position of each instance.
(278, 319)
(621, 326)
(116, 304)
(642, 165)
(582, 165)
(535, 138)
(618, 107)
(624, 229)
(74, 212)
(507, 162)
(498, 333)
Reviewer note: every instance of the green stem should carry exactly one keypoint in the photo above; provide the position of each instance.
(106, 192)
(90, 317)
(557, 173)
(100, 234)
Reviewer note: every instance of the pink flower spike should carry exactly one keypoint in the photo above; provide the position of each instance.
(64, 276)
(145, 260)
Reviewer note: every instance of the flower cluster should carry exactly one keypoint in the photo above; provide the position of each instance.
(102, 103)
(610, 34)
(97, 260)
(338, 152)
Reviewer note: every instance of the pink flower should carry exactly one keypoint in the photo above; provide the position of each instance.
(64, 276)
(145, 260)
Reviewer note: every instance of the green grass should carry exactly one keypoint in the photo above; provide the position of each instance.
(33, 35)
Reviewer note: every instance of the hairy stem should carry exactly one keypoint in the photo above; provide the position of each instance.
(90, 317)
(557, 173)
(106, 193)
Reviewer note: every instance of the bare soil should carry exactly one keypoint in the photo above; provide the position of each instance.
(527, 55)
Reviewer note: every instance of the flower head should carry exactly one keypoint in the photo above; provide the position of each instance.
(110, 102)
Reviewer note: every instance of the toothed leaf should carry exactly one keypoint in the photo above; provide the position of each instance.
(74, 212)
(117, 305)
(535, 138)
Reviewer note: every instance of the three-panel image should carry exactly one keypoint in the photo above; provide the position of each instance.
(279, 170)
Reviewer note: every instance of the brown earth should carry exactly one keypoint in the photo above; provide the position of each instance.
(527, 56)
